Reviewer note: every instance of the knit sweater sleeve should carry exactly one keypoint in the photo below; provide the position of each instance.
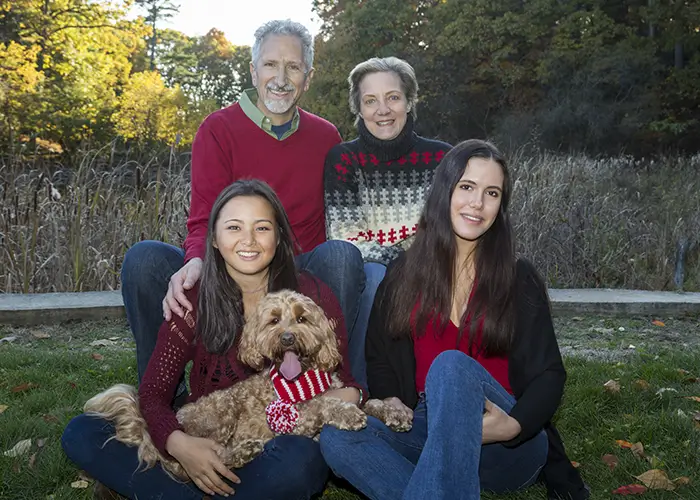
(174, 349)
(320, 293)
(212, 171)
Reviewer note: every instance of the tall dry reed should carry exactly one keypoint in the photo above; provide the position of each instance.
(614, 222)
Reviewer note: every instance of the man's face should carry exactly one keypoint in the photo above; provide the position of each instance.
(280, 77)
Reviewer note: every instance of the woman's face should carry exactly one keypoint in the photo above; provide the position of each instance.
(476, 200)
(383, 104)
(246, 236)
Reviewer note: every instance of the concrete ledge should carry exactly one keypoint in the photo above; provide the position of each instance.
(49, 308)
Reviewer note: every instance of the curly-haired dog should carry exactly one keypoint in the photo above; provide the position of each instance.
(292, 334)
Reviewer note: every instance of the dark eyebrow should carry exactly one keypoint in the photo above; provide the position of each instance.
(240, 221)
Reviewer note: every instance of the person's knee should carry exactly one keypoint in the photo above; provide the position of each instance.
(374, 273)
(137, 258)
(344, 252)
(75, 441)
(450, 367)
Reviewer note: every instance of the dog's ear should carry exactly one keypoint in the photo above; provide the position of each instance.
(329, 355)
(248, 351)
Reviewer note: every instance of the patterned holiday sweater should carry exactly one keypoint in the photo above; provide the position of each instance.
(375, 190)
(178, 344)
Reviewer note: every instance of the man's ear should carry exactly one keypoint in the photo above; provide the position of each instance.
(309, 76)
(253, 75)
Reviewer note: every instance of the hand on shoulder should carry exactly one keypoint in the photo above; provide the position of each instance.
(184, 279)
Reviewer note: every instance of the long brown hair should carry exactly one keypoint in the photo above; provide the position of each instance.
(220, 307)
(425, 276)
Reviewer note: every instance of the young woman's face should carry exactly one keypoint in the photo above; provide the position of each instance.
(246, 236)
(476, 199)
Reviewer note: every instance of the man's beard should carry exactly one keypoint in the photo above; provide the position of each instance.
(280, 106)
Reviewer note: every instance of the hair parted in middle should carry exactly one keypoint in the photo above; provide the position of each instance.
(220, 317)
(289, 28)
(423, 283)
(405, 72)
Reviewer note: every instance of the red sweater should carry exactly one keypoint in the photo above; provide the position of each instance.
(177, 346)
(431, 344)
(230, 146)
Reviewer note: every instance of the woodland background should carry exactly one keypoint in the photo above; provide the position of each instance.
(597, 103)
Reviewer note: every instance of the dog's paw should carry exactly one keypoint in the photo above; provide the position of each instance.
(394, 418)
(349, 418)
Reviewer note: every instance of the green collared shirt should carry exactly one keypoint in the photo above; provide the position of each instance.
(248, 102)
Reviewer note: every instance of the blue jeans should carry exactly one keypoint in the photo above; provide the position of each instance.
(148, 266)
(441, 457)
(290, 467)
(374, 274)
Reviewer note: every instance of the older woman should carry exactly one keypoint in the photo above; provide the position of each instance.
(375, 185)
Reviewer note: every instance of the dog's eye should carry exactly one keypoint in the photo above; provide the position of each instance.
(274, 321)
(301, 319)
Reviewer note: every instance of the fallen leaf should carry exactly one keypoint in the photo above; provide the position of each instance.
(40, 443)
(23, 387)
(49, 419)
(16, 468)
(641, 384)
(102, 343)
(610, 460)
(32, 459)
(83, 476)
(624, 444)
(114, 339)
(630, 489)
(690, 380)
(41, 335)
(575, 464)
(577, 318)
(693, 398)
(97, 356)
(682, 371)
(11, 338)
(665, 389)
(72, 385)
(3, 408)
(638, 450)
(612, 386)
(681, 481)
(656, 479)
(681, 413)
(658, 323)
(80, 484)
(21, 448)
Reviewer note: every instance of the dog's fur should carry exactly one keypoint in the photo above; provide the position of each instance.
(235, 417)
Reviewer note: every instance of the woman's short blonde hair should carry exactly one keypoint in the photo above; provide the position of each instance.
(405, 72)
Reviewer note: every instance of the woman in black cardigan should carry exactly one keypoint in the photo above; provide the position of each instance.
(461, 337)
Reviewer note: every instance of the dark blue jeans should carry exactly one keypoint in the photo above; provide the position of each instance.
(290, 467)
(441, 457)
(148, 266)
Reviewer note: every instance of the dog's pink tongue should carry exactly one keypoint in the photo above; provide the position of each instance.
(290, 367)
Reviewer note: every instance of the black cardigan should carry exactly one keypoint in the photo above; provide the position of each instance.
(535, 372)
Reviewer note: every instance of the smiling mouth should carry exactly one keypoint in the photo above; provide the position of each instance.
(279, 93)
(472, 218)
(247, 255)
(385, 123)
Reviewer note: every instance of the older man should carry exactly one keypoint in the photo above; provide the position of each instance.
(266, 136)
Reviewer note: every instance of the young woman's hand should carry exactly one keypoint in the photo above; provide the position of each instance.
(497, 424)
(198, 456)
(182, 280)
(398, 404)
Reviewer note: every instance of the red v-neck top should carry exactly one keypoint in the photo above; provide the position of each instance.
(433, 342)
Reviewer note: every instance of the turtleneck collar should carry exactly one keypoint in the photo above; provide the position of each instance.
(392, 149)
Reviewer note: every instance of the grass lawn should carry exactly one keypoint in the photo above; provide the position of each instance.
(47, 373)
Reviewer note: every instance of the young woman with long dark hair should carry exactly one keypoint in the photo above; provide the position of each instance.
(461, 337)
(250, 252)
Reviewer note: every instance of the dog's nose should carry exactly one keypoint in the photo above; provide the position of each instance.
(287, 339)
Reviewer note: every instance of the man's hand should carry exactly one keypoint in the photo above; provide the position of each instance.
(497, 425)
(199, 457)
(182, 280)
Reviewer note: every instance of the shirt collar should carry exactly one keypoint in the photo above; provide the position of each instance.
(248, 101)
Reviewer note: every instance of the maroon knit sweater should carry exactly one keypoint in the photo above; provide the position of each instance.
(177, 346)
(230, 146)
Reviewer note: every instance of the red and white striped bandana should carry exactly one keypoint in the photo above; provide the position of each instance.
(282, 414)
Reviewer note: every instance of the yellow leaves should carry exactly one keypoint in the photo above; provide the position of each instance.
(3, 408)
(641, 384)
(658, 323)
(693, 398)
(623, 444)
(19, 449)
(79, 484)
